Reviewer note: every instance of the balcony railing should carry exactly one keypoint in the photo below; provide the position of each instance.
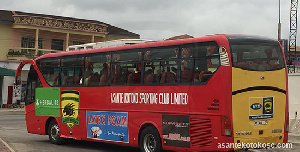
(71, 24)
(27, 53)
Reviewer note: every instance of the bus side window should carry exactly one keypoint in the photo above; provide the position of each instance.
(186, 71)
(33, 81)
(50, 70)
(169, 71)
(104, 75)
(71, 70)
(126, 67)
(97, 70)
(199, 62)
(134, 77)
(159, 65)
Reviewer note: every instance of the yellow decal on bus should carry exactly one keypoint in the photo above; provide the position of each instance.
(70, 107)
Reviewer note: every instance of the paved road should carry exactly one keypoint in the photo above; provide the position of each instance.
(13, 132)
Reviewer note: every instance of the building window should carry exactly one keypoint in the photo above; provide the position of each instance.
(40, 43)
(57, 44)
(29, 42)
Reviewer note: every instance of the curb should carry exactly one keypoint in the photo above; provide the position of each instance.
(11, 109)
(5, 147)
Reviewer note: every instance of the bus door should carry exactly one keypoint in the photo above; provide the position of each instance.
(32, 83)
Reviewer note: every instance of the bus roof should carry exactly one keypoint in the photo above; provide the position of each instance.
(157, 43)
(112, 43)
(250, 39)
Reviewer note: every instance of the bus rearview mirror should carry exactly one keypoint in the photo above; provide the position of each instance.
(18, 80)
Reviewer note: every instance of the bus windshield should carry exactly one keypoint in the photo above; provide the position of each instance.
(257, 57)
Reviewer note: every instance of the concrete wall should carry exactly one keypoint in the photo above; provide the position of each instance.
(17, 34)
(294, 102)
(294, 94)
(7, 81)
(4, 40)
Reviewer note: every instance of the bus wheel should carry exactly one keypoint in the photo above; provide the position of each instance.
(54, 133)
(150, 140)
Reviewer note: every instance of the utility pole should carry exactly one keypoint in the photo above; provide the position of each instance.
(279, 23)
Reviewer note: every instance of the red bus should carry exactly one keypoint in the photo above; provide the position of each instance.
(214, 93)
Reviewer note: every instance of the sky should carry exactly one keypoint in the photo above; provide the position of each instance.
(162, 19)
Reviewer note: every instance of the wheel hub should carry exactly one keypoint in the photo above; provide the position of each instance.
(149, 143)
(54, 132)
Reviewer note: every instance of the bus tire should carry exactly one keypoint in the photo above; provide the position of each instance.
(150, 140)
(54, 133)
